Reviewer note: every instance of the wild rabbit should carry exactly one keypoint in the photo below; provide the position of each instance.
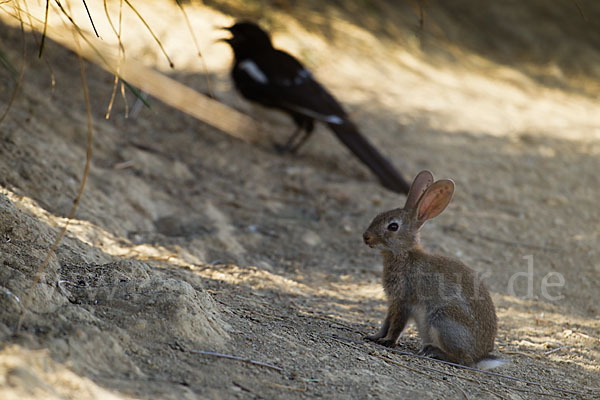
(451, 306)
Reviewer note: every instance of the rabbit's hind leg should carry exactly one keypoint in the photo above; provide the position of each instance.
(454, 339)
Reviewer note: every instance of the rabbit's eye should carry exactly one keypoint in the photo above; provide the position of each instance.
(392, 227)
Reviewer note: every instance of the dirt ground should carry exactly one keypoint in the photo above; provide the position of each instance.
(189, 241)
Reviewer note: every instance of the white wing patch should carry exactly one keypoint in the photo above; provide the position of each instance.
(334, 119)
(255, 73)
(302, 75)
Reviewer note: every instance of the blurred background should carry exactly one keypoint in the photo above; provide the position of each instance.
(188, 238)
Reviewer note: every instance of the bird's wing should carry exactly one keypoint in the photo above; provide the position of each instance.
(282, 81)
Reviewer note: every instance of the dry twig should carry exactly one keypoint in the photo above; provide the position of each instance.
(555, 350)
(211, 93)
(422, 5)
(580, 10)
(156, 39)
(121, 50)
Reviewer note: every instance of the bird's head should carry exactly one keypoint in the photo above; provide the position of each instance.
(247, 39)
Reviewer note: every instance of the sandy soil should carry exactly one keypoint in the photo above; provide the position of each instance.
(189, 241)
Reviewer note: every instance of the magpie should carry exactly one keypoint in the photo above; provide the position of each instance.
(275, 79)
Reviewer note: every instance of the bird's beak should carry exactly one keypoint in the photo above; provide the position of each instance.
(226, 40)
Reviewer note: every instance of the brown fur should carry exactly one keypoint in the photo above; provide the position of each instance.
(453, 310)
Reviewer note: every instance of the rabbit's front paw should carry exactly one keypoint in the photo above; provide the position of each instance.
(372, 338)
(380, 340)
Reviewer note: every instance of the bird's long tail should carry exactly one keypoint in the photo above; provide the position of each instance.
(389, 177)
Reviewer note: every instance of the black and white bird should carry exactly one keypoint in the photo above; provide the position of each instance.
(275, 79)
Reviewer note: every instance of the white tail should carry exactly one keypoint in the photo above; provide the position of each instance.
(490, 363)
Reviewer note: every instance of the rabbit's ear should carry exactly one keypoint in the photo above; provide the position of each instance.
(422, 181)
(435, 200)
